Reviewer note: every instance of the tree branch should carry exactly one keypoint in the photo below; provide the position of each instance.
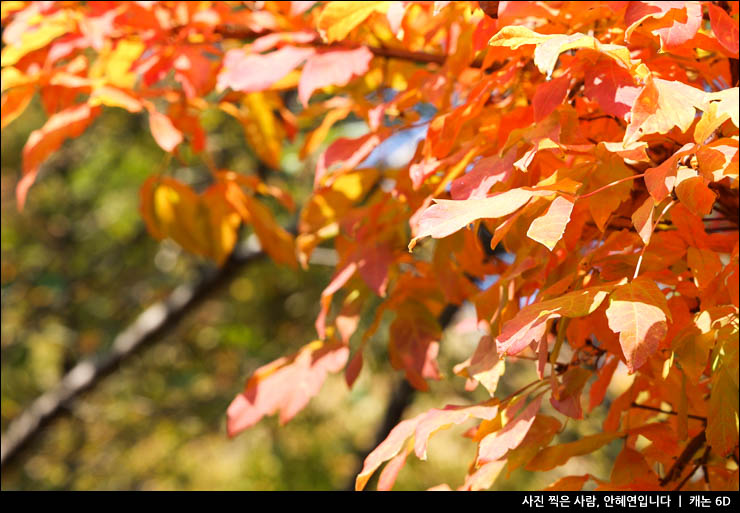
(235, 32)
(684, 458)
(153, 323)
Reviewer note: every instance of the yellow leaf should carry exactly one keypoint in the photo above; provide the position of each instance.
(262, 129)
(338, 19)
(549, 47)
(118, 64)
(205, 225)
(722, 421)
(48, 29)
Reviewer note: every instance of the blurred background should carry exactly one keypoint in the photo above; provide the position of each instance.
(78, 266)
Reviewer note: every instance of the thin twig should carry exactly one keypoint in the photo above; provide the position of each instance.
(652, 408)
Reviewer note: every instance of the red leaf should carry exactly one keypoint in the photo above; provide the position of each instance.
(414, 344)
(250, 73)
(345, 154)
(599, 387)
(336, 67)
(725, 29)
(549, 95)
(286, 385)
(373, 266)
(611, 86)
(637, 12)
(566, 397)
(485, 174)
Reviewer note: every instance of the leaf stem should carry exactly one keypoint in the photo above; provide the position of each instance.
(655, 225)
(616, 182)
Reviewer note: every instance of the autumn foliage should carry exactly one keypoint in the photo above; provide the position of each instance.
(577, 184)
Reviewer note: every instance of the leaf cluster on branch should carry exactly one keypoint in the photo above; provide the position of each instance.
(577, 183)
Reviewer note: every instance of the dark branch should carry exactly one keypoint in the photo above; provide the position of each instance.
(684, 458)
(149, 326)
(652, 408)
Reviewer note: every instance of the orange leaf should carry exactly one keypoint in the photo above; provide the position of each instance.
(163, 131)
(446, 217)
(549, 228)
(637, 311)
(14, 102)
(206, 225)
(70, 122)
(599, 387)
(725, 29)
(435, 420)
(556, 455)
(495, 446)
(387, 449)
(662, 105)
(274, 239)
(696, 195)
(530, 323)
(629, 468)
(661, 179)
(642, 219)
(705, 264)
(568, 484)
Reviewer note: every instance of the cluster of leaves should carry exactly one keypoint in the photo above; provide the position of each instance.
(595, 142)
